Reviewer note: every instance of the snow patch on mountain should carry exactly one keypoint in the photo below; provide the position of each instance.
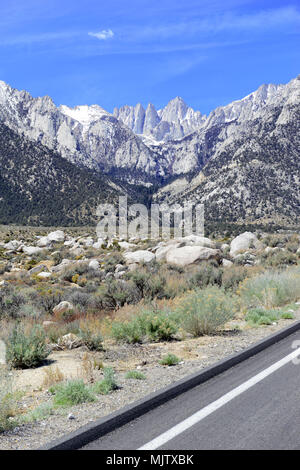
(84, 114)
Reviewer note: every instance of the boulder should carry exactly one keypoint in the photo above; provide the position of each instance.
(140, 256)
(195, 240)
(31, 250)
(77, 251)
(70, 341)
(226, 263)
(94, 264)
(12, 245)
(75, 286)
(225, 247)
(270, 249)
(119, 267)
(61, 266)
(98, 244)
(70, 243)
(63, 307)
(86, 241)
(44, 275)
(161, 252)
(38, 269)
(57, 236)
(119, 274)
(126, 245)
(4, 284)
(191, 254)
(244, 242)
(43, 242)
(133, 267)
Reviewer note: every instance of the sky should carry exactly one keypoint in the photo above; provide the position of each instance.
(117, 52)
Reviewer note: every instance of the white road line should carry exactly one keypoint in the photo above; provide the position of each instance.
(207, 410)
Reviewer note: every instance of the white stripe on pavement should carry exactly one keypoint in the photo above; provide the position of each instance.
(207, 410)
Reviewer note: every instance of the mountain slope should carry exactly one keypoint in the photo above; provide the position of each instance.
(126, 145)
(242, 160)
(39, 187)
(251, 168)
(86, 136)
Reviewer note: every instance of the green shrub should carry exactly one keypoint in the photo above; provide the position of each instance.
(39, 413)
(169, 360)
(93, 341)
(233, 276)
(128, 332)
(79, 299)
(135, 374)
(279, 259)
(149, 284)
(271, 289)
(111, 262)
(175, 268)
(208, 274)
(261, 316)
(153, 325)
(11, 302)
(287, 316)
(71, 393)
(47, 300)
(118, 292)
(108, 384)
(158, 325)
(204, 311)
(26, 350)
(8, 404)
(56, 331)
(78, 268)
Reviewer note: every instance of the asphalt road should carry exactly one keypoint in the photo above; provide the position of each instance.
(254, 405)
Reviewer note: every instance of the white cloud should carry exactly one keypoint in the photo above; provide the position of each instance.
(103, 35)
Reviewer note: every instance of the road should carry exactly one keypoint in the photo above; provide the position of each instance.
(254, 405)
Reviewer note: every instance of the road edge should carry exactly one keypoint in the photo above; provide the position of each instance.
(109, 423)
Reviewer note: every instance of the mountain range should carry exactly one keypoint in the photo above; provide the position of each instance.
(241, 161)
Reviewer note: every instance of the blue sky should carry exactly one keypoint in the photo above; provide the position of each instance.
(118, 52)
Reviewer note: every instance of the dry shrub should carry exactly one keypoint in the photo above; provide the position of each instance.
(88, 366)
(8, 404)
(91, 322)
(52, 376)
(176, 284)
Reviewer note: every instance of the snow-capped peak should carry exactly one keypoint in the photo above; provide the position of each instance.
(84, 114)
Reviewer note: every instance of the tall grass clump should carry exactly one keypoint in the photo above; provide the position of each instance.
(135, 374)
(127, 331)
(108, 384)
(92, 340)
(169, 360)
(39, 413)
(8, 405)
(71, 393)
(26, 350)
(271, 289)
(151, 325)
(202, 312)
(261, 316)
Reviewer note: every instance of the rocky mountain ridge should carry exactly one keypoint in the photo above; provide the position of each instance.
(250, 167)
(242, 160)
(128, 141)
